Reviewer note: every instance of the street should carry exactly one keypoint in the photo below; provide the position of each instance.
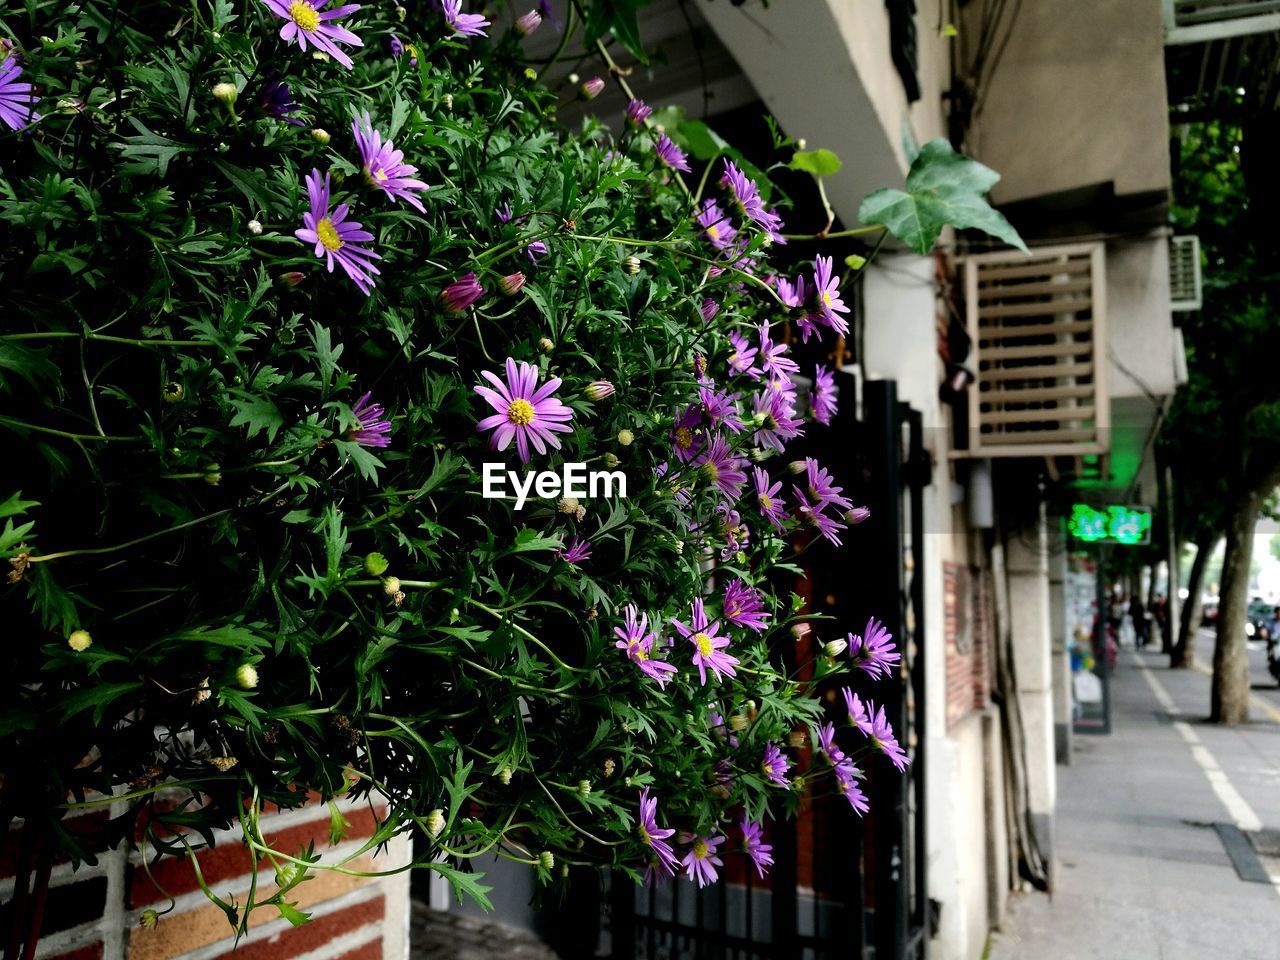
(1165, 829)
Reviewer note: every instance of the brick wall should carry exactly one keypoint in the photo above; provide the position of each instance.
(93, 912)
(969, 633)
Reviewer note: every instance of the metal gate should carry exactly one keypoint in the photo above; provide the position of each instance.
(841, 887)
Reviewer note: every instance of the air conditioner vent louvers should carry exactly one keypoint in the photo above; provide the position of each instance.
(1038, 325)
(1184, 273)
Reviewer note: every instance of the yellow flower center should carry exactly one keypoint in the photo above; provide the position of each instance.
(684, 438)
(710, 472)
(700, 849)
(766, 501)
(703, 643)
(328, 233)
(305, 16)
(520, 413)
(644, 834)
(826, 298)
(713, 233)
(637, 651)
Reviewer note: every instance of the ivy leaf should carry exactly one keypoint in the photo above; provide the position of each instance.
(943, 187)
(820, 163)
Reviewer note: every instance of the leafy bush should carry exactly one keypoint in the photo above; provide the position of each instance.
(249, 552)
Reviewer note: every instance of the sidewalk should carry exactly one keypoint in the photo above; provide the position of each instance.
(1142, 874)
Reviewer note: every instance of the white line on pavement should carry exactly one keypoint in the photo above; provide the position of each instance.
(1237, 806)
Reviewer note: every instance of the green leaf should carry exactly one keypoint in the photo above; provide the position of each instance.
(618, 17)
(820, 163)
(855, 262)
(943, 187)
(291, 913)
(16, 505)
(258, 414)
(465, 883)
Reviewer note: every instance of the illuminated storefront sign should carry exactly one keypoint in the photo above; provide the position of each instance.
(1130, 526)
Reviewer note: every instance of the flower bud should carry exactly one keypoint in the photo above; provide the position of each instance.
(202, 693)
(213, 475)
(573, 78)
(799, 630)
(599, 390)
(836, 647)
(592, 88)
(80, 641)
(567, 504)
(610, 460)
(321, 136)
(447, 101)
(255, 227)
(547, 860)
(148, 919)
(504, 775)
(530, 74)
(285, 874)
(173, 391)
(584, 788)
(759, 456)
(401, 13)
(796, 739)
(631, 265)
(801, 143)
(375, 564)
(246, 676)
(609, 767)
(545, 345)
(797, 467)
(528, 23)
(580, 514)
(225, 92)
(291, 278)
(320, 55)
(435, 823)
(856, 515)
(625, 437)
(390, 586)
(510, 285)
(737, 723)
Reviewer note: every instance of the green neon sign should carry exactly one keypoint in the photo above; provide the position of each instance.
(1129, 526)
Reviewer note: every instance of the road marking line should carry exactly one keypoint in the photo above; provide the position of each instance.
(1271, 712)
(1236, 805)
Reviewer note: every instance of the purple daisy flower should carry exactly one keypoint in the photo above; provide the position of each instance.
(275, 99)
(772, 359)
(503, 213)
(669, 155)
(720, 467)
(761, 853)
(720, 406)
(847, 783)
(856, 515)
(17, 102)
(637, 640)
(535, 250)
(822, 398)
(685, 441)
(335, 237)
(827, 290)
(743, 190)
(880, 733)
(791, 293)
(735, 532)
(372, 429)
(827, 743)
(462, 293)
(700, 861)
(399, 48)
(527, 24)
(814, 516)
(775, 765)
(874, 652)
(527, 413)
(384, 166)
(464, 24)
(709, 309)
(654, 836)
(822, 492)
(638, 112)
(707, 643)
(744, 606)
(575, 551)
(769, 499)
(776, 423)
(310, 27)
(716, 225)
(858, 715)
(742, 359)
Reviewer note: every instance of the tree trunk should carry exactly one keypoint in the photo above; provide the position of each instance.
(1184, 651)
(1230, 702)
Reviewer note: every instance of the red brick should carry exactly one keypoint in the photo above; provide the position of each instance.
(175, 876)
(90, 951)
(310, 936)
(370, 951)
